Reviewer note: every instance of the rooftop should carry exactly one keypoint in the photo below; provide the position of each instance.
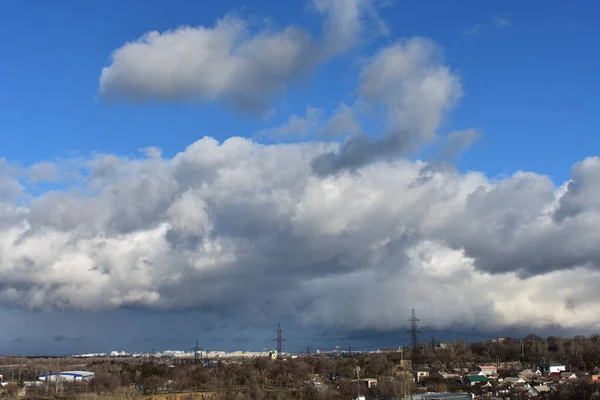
(477, 378)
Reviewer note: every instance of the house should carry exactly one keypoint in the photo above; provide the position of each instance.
(537, 390)
(445, 375)
(551, 367)
(568, 375)
(554, 375)
(476, 373)
(419, 375)
(529, 374)
(367, 382)
(488, 370)
(512, 380)
(472, 380)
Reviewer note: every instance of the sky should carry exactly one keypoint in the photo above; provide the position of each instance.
(173, 171)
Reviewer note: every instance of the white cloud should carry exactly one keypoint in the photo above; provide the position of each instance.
(498, 21)
(474, 30)
(346, 22)
(342, 122)
(459, 141)
(254, 228)
(410, 83)
(229, 62)
(10, 188)
(225, 62)
(296, 126)
(502, 21)
(43, 172)
(409, 79)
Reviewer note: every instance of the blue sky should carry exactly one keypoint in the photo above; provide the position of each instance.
(529, 86)
(528, 76)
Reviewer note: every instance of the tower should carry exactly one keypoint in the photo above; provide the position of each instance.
(279, 339)
(414, 340)
(197, 352)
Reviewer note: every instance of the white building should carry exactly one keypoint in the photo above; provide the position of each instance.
(553, 367)
(69, 376)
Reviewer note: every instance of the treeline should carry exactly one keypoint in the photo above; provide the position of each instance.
(579, 352)
(254, 379)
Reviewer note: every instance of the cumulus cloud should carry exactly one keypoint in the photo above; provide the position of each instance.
(248, 230)
(342, 122)
(43, 172)
(459, 141)
(10, 188)
(346, 21)
(409, 82)
(225, 62)
(230, 62)
(296, 126)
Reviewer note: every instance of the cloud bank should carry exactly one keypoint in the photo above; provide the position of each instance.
(321, 232)
(248, 230)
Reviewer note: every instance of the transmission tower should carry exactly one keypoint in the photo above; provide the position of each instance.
(279, 339)
(197, 352)
(414, 340)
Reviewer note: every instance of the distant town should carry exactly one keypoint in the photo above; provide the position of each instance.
(503, 368)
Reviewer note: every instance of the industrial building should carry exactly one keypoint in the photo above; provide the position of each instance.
(69, 376)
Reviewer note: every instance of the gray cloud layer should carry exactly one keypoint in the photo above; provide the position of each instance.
(324, 233)
(239, 228)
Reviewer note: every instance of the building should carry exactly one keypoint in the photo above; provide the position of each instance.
(420, 375)
(552, 367)
(513, 380)
(472, 380)
(367, 382)
(446, 375)
(69, 376)
(488, 370)
(537, 390)
(568, 375)
(476, 373)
